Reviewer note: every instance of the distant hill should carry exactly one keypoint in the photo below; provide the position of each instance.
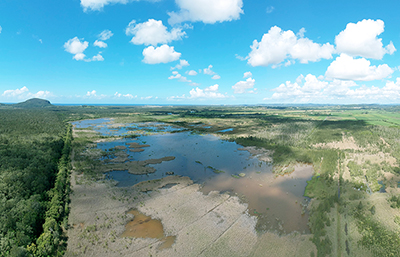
(34, 103)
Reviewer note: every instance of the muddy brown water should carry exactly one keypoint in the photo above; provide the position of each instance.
(143, 226)
(275, 200)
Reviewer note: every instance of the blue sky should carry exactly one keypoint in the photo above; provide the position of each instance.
(200, 51)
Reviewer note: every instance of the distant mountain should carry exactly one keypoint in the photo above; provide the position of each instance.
(34, 103)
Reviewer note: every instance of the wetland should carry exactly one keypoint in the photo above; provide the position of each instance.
(235, 181)
(216, 164)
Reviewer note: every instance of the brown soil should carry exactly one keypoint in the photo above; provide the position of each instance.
(143, 226)
(136, 145)
(136, 150)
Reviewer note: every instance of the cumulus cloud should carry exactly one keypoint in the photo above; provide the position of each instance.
(311, 89)
(15, 92)
(276, 46)
(209, 92)
(162, 54)
(152, 32)
(242, 87)
(176, 75)
(100, 44)
(23, 93)
(208, 70)
(119, 95)
(247, 74)
(207, 11)
(91, 93)
(180, 65)
(361, 39)
(192, 73)
(305, 89)
(212, 88)
(42, 94)
(216, 76)
(98, 58)
(346, 67)
(103, 36)
(76, 47)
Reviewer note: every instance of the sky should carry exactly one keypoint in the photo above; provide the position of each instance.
(219, 52)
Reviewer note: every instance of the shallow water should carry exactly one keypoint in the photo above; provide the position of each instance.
(276, 200)
(143, 226)
(211, 162)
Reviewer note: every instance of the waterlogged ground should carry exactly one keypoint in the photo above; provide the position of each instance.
(217, 165)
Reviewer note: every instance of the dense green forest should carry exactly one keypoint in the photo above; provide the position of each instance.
(33, 151)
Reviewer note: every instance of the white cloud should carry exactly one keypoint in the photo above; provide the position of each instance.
(129, 96)
(162, 54)
(76, 47)
(79, 57)
(360, 39)
(105, 35)
(98, 57)
(152, 32)
(346, 67)
(178, 76)
(209, 92)
(241, 87)
(100, 44)
(208, 70)
(1, 29)
(247, 74)
(97, 5)
(310, 89)
(207, 11)
(15, 92)
(305, 89)
(91, 93)
(42, 94)
(176, 97)
(146, 97)
(192, 73)
(276, 46)
(181, 64)
(212, 88)
(23, 93)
